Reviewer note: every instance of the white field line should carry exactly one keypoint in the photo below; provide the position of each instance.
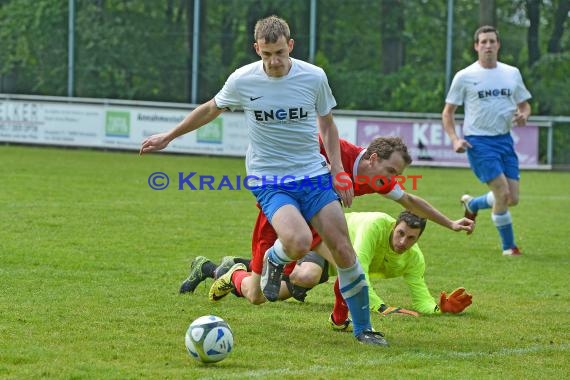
(379, 360)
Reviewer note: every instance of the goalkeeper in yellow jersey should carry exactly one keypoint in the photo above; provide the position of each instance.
(387, 248)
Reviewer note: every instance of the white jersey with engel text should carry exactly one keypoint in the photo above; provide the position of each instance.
(489, 96)
(281, 116)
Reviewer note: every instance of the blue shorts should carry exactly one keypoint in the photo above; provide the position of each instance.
(491, 156)
(309, 196)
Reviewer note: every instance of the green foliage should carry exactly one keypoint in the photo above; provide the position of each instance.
(129, 50)
(92, 260)
(34, 59)
(551, 83)
(142, 50)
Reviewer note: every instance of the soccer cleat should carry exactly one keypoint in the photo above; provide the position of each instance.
(512, 252)
(224, 285)
(346, 326)
(270, 279)
(375, 338)
(196, 275)
(224, 267)
(465, 199)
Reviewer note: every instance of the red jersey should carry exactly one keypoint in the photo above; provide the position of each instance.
(350, 156)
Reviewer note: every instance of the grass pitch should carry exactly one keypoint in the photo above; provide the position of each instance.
(91, 261)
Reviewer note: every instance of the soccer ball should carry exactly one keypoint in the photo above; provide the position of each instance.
(209, 339)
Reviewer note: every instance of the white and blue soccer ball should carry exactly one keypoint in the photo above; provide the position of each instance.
(209, 339)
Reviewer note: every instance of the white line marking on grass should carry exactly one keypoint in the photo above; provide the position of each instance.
(377, 360)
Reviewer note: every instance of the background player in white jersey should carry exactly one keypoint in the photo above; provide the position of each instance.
(287, 104)
(495, 98)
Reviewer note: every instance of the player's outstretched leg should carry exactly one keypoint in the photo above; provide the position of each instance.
(200, 269)
(224, 285)
(224, 267)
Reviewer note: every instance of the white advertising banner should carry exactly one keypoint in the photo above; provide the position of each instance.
(50, 123)
(114, 127)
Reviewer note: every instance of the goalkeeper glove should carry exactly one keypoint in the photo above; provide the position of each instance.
(390, 310)
(457, 301)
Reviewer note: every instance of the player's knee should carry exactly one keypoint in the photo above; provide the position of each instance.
(513, 200)
(297, 246)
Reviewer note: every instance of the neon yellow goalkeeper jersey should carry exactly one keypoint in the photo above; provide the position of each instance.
(370, 236)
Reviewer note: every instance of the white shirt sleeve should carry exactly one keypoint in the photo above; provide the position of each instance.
(228, 96)
(395, 194)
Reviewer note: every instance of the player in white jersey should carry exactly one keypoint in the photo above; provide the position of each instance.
(281, 133)
(495, 98)
(287, 104)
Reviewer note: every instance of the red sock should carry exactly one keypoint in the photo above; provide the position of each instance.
(237, 278)
(340, 309)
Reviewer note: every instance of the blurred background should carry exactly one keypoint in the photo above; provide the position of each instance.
(380, 55)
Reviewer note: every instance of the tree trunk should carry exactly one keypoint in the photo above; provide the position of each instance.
(533, 11)
(560, 17)
(392, 29)
(488, 13)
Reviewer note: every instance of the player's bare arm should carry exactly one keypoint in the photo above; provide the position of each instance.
(423, 209)
(329, 136)
(522, 114)
(448, 120)
(200, 116)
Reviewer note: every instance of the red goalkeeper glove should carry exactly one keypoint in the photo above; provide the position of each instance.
(457, 301)
(390, 310)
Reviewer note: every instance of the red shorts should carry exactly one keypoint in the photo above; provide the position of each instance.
(263, 238)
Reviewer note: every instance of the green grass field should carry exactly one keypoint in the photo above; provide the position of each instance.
(92, 258)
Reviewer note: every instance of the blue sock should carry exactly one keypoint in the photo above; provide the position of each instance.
(277, 254)
(482, 202)
(354, 290)
(504, 224)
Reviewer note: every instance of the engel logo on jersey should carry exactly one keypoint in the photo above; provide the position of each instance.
(281, 114)
(494, 92)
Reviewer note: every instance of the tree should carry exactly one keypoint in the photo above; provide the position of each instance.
(533, 11)
(560, 17)
(488, 13)
(392, 28)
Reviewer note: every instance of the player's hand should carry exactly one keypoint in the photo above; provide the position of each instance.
(390, 310)
(463, 224)
(344, 187)
(154, 143)
(519, 119)
(461, 145)
(457, 301)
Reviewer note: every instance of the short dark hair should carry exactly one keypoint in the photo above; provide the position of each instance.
(385, 146)
(485, 29)
(270, 29)
(412, 220)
